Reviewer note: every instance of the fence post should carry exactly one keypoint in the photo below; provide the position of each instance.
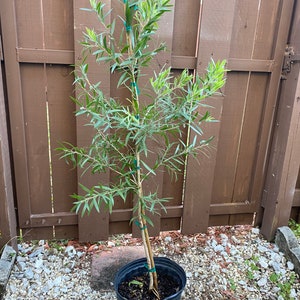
(8, 223)
(284, 161)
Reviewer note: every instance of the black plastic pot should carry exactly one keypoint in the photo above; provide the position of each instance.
(163, 266)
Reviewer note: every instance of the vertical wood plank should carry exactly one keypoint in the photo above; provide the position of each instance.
(184, 40)
(186, 19)
(214, 40)
(29, 23)
(35, 118)
(230, 135)
(61, 112)
(14, 92)
(58, 34)
(162, 60)
(8, 222)
(96, 225)
(58, 24)
(249, 137)
(165, 34)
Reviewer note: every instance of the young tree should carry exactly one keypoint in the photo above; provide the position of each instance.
(123, 130)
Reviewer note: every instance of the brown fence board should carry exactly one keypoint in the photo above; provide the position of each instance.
(248, 36)
(61, 128)
(184, 46)
(283, 169)
(186, 16)
(284, 15)
(249, 136)
(36, 133)
(58, 24)
(245, 28)
(13, 79)
(230, 135)
(29, 23)
(216, 22)
(95, 226)
(267, 18)
(8, 221)
(46, 56)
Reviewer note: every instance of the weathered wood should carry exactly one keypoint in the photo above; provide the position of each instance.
(47, 56)
(296, 200)
(284, 15)
(250, 65)
(61, 112)
(34, 104)
(242, 116)
(215, 20)
(284, 162)
(8, 222)
(96, 225)
(31, 108)
(14, 92)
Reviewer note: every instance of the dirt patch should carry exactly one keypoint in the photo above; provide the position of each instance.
(106, 264)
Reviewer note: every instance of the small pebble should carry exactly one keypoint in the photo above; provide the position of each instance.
(290, 265)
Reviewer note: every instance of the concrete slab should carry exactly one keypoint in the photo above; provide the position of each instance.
(6, 263)
(106, 264)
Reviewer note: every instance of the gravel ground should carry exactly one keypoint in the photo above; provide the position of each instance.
(226, 263)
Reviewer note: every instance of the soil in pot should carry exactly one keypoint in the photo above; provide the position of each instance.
(137, 287)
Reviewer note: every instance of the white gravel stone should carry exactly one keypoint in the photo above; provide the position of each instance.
(262, 281)
(263, 262)
(224, 237)
(224, 264)
(255, 231)
(168, 239)
(70, 251)
(290, 265)
(218, 248)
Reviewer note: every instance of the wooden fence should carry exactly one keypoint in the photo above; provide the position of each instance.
(40, 43)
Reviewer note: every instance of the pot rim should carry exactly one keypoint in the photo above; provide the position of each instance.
(172, 268)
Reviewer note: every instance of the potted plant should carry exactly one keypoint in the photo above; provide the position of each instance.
(123, 130)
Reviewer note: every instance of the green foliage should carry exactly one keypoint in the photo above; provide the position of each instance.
(285, 284)
(285, 287)
(295, 227)
(232, 284)
(274, 277)
(252, 267)
(136, 282)
(124, 128)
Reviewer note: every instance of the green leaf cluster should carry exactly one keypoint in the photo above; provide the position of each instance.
(124, 129)
(295, 227)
